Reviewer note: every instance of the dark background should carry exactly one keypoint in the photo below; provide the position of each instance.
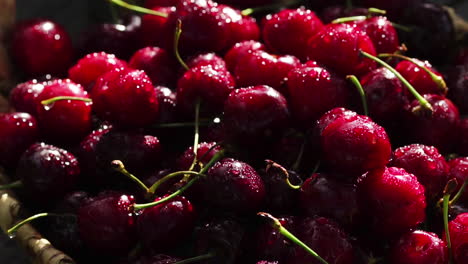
(76, 15)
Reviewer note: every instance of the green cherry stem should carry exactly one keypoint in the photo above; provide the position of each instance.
(402, 27)
(297, 163)
(158, 183)
(138, 207)
(213, 160)
(272, 164)
(15, 184)
(196, 136)
(138, 8)
(276, 224)
(118, 166)
(459, 193)
(60, 98)
(177, 33)
(15, 228)
(376, 11)
(266, 8)
(196, 259)
(362, 94)
(422, 101)
(437, 79)
(448, 190)
(348, 19)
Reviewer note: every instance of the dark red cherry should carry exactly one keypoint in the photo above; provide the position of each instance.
(206, 59)
(40, 47)
(438, 129)
(337, 46)
(325, 196)
(259, 67)
(209, 83)
(255, 113)
(382, 33)
(418, 247)
(355, 146)
(332, 115)
(458, 229)
(167, 104)
(326, 238)
(426, 163)
(271, 245)
(92, 66)
(47, 172)
(457, 81)
(23, 97)
(312, 91)
(392, 200)
(459, 171)
(157, 63)
(166, 225)
(64, 120)
(239, 50)
(18, 132)
(233, 185)
(107, 224)
(386, 97)
(126, 98)
(205, 152)
(240, 27)
(223, 236)
(294, 25)
(152, 30)
(420, 79)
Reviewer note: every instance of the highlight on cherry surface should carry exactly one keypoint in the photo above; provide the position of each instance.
(422, 101)
(276, 224)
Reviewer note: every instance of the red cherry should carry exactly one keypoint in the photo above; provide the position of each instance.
(23, 97)
(337, 46)
(458, 229)
(240, 49)
(419, 247)
(157, 63)
(382, 33)
(459, 171)
(205, 152)
(152, 30)
(41, 47)
(240, 27)
(417, 77)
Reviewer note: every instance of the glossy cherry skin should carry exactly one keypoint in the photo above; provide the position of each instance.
(459, 171)
(458, 229)
(233, 185)
(23, 96)
(255, 113)
(236, 52)
(337, 47)
(418, 247)
(153, 28)
(457, 81)
(157, 63)
(47, 172)
(205, 152)
(41, 47)
(65, 120)
(206, 59)
(325, 196)
(125, 98)
(271, 245)
(167, 104)
(209, 83)
(386, 97)
(382, 33)
(392, 199)
(92, 66)
(312, 91)
(166, 225)
(326, 238)
(18, 132)
(355, 146)
(426, 163)
(107, 224)
(288, 31)
(240, 27)
(334, 114)
(420, 79)
(223, 235)
(259, 67)
(438, 129)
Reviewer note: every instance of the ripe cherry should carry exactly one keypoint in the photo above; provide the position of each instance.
(418, 247)
(234, 55)
(157, 63)
(458, 228)
(23, 97)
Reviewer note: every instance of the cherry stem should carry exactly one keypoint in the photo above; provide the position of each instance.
(196, 136)
(137, 207)
(459, 193)
(15, 184)
(178, 32)
(276, 224)
(273, 164)
(362, 94)
(138, 8)
(373, 11)
(213, 160)
(197, 258)
(348, 19)
(182, 124)
(60, 98)
(15, 228)
(117, 165)
(158, 183)
(297, 163)
(437, 79)
(445, 214)
(265, 8)
(402, 27)
(422, 101)
(113, 11)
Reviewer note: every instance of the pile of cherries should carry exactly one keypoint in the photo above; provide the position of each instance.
(203, 133)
